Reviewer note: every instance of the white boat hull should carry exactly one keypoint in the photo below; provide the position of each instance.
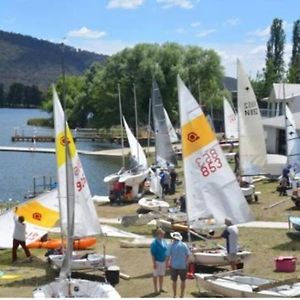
(76, 288)
(275, 164)
(132, 179)
(239, 286)
(217, 257)
(92, 261)
(248, 191)
(154, 204)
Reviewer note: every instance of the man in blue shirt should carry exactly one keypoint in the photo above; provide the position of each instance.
(158, 251)
(178, 254)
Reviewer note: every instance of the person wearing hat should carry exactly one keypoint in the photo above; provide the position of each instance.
(230, 234)
(178, 255)
(158, 251)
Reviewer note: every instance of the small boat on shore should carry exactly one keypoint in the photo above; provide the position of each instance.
(237, 285)
(154, 204)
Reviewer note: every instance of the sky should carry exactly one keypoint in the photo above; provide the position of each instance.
(234, 28)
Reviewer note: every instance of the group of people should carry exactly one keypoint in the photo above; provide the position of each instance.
(168, 178)
(176, 256)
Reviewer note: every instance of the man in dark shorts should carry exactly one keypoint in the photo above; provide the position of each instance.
(178, 254)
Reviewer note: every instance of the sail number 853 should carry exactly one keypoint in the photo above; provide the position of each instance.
(209, 163)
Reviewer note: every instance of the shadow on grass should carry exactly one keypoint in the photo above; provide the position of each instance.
(205, 294)
(293, 208)
(289, 246)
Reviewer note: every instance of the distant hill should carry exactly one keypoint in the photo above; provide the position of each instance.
(32, 61)
(230, 83)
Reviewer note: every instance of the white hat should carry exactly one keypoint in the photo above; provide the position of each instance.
(176, 236)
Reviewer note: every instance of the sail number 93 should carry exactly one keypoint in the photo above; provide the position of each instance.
(209, 163)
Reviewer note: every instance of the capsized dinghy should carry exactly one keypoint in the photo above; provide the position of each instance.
(154, 204)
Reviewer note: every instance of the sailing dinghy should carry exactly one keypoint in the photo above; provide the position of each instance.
(77, 214)
(230, 122)
(237, 285)
(212, 191)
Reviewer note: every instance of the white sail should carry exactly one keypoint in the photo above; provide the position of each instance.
(41, 215)
(172, 133)
(85, 217)
(253, 153)
(212, 190)
(155, 186)
(136, 149)
(293, 142)
(230, 121)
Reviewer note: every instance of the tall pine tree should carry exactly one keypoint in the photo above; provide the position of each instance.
(274, 71)
(294, 67)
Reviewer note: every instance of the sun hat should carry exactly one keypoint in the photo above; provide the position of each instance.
(176, 236)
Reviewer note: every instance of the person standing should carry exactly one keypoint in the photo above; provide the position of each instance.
(19, 238)
(173, 176)
(178, 255)
(230, 234)
(158, 251)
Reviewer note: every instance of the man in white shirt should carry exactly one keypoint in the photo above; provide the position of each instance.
(19, 238)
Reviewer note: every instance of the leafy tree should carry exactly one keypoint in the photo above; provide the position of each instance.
(274, 70)
(2, 95)
(294, 67)
(97, 93)
(16, 95)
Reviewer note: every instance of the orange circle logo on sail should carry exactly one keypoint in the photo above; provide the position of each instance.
(37, 216)
(63, 141)
(192, 137)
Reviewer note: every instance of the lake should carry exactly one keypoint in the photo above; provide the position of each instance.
(18, 169)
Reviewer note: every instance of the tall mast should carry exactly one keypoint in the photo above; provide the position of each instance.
(136, 121)
(121, 124)
(149, 125)
(69, 237)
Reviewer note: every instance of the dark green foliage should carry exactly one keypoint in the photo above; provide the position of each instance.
(294, 67)
(2, 95)
(95, 93)
(31, 61)
(274, 70)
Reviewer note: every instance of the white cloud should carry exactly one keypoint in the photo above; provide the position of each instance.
(196, 24)
(205, 33)
(232, 22)
(260, 32)
(125, 4)
(87, 33)
(186, 4)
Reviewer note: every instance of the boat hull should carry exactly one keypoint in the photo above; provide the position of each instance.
(217, 257)
(92, 261)
(154, 205)
(239, 286)
(76, 288)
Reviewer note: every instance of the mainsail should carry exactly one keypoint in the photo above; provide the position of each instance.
(172, 133)
(41, 215)
(212, 190)
(293, 142)
(163, 147)
(137, 152)
(253, 153)
(230, 121)
(85, 217)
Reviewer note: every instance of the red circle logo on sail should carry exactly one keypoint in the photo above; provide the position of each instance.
(37, 216)
(192, 137)
(63, 141)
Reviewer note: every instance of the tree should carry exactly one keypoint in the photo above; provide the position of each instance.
(2, 95)
(16, 95)
(139, 66)
(294, 66)
(274, 70)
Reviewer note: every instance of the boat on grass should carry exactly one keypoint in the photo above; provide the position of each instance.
(237, 285)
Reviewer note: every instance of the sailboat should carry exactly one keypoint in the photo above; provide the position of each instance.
(77, 215)
(230, 122)
(164, 152)
(254, 160)
(212, 191)
(172, 132)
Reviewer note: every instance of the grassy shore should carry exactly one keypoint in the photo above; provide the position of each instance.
(266, 244)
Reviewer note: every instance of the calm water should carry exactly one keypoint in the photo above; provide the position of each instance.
(18, 169)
